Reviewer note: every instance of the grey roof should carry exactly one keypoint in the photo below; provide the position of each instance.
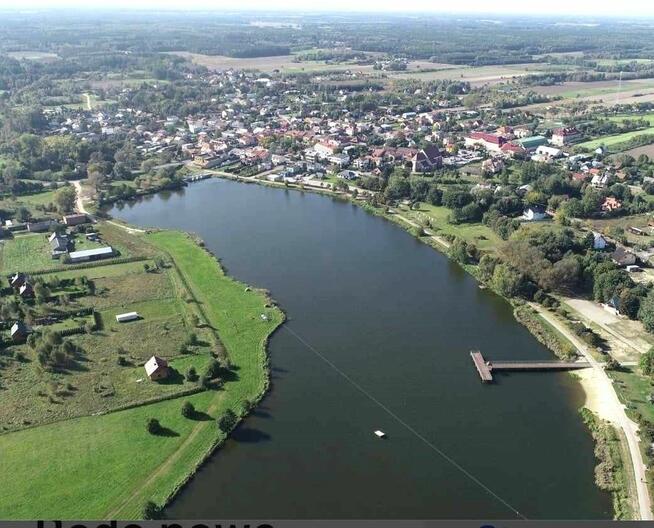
(87, 253)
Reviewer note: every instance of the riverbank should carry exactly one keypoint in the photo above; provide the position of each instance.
(543, 327)
(135, 466)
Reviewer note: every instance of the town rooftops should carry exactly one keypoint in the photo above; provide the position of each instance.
(567, 131)
(488, 138)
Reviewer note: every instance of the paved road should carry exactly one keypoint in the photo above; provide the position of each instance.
(629, 428)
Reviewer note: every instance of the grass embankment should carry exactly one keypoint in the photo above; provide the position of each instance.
(610, 473)
(109, 465)
(545, 332)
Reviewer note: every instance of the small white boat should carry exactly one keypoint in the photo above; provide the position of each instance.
(380, 434)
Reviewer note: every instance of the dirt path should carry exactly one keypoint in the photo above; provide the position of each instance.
(617, 411)
(431, 235)
(89, 106)
(81, 208)
(167, 464)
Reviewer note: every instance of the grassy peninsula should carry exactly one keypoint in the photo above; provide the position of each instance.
(84, 455)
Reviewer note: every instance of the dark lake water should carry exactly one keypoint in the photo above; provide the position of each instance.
(398, 319)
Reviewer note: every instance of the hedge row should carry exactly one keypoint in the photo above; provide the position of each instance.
(95, 264)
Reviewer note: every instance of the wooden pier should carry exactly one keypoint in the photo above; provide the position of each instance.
(485, 368)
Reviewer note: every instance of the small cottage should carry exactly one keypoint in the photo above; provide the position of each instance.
(19, 332)
(26, 291)
(623, 257)
(534, 213)
(156, 368)
(17, 280)
(599, 242)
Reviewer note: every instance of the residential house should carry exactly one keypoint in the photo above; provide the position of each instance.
(611, 204)
(534, 213)
(599, 242)
(156, 368)
(17, 280)
(26, 291)
(601, 181)
(19, 332)
(59, 245)
(564, 136)
(623, 257)
(492, 166)
(512, 150)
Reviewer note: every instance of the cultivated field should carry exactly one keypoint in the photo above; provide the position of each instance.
(43, 56)
(476, 75)
(284, 63)
(647, 150)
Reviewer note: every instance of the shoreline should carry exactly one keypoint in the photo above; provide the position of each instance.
(596, 398)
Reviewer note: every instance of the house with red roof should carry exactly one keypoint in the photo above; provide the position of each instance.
(491, 142)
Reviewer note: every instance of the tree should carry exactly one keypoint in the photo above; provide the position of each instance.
(153, 426)
(65, 199)
(646, 312)
(188, 411)
(23, 214)
(151, 511)
(227, 421)
(191, 374)
(459, 251)
(507, 281)
(96, 180)
(398, 187)
(647, 362)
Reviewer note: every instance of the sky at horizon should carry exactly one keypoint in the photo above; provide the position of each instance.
(589, 8)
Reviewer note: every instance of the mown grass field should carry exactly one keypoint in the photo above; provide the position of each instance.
(612, 141)
(27, 252)
(109, 465)
(480, 235)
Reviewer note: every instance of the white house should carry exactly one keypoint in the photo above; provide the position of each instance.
(599, 242)
(534, 213)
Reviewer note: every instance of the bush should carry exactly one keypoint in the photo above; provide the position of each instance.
(153, 426)
(151, 511)
(214, 369)
(188, 411)
(192, 374)
(227, 422)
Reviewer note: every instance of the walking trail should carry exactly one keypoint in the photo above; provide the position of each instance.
(610, 409)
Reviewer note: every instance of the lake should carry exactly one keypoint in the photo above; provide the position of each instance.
(378, 337)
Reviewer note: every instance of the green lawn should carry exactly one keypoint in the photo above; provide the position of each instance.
(480, 235)
(609, 141)
(109, 466)
(649, 117)
(26, 253)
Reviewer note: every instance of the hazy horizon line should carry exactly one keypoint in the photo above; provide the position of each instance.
(296, 12)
